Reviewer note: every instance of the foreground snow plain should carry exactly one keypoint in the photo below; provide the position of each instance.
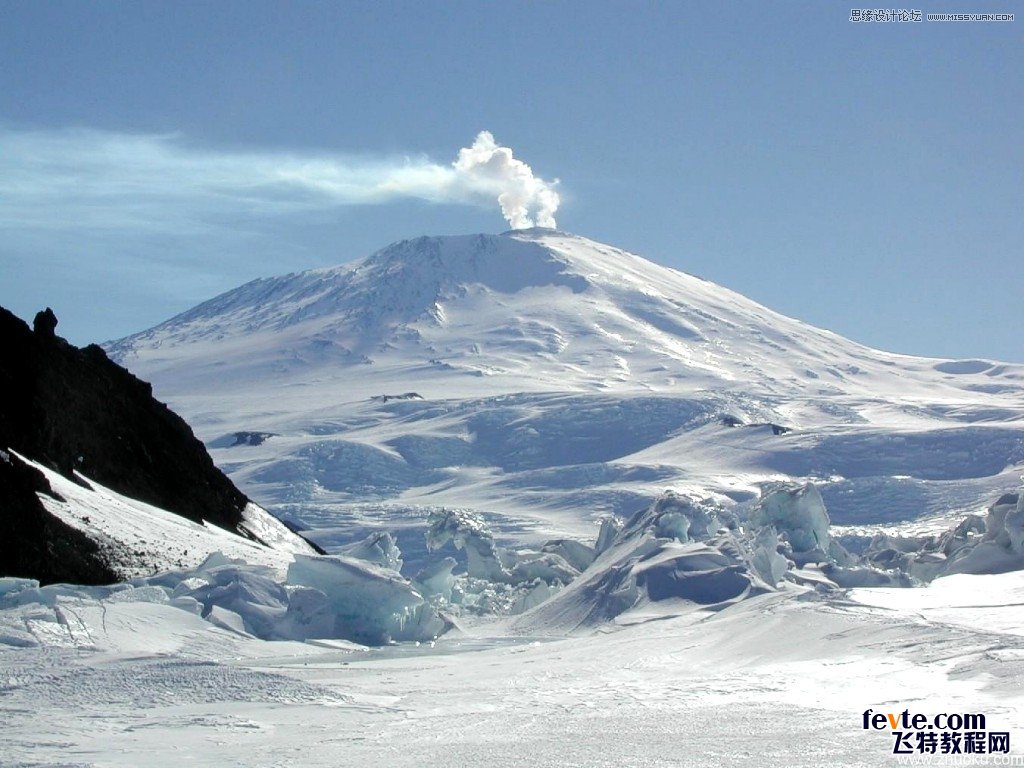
(776, 680)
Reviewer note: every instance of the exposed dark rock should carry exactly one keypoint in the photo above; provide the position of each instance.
(729, 420)
(403, 396)
(45, 323)
(73, 409)
(251, 438)
(777, 429)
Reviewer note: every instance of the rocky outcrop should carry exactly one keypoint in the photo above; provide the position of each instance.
(74, 410)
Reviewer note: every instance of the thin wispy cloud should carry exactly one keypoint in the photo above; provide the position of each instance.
(88, 179)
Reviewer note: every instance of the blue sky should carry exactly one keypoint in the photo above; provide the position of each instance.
(866, 178)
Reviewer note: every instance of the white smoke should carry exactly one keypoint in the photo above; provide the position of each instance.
(525, 199)
(156, 181)
(482, 173)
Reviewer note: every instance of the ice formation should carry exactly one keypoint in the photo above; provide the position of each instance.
(489, 562)
(678, 548)
(323, 597)
(680, 551)
(765, 558)
(992, 544)
(700, 553)
(436, 579)
(379, 547)
(799, 514)
(467, 531)
(575, 553)
(610, 527)
(369, 604)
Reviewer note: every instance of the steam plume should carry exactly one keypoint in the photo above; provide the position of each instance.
(100, 179)
(525, 199)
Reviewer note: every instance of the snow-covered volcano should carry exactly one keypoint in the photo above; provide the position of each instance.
(550, 380)
(538, 310)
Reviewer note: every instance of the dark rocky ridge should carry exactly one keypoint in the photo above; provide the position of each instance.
(71, 408)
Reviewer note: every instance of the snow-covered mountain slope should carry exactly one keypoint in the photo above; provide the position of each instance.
(138, 539)
(548, 380)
